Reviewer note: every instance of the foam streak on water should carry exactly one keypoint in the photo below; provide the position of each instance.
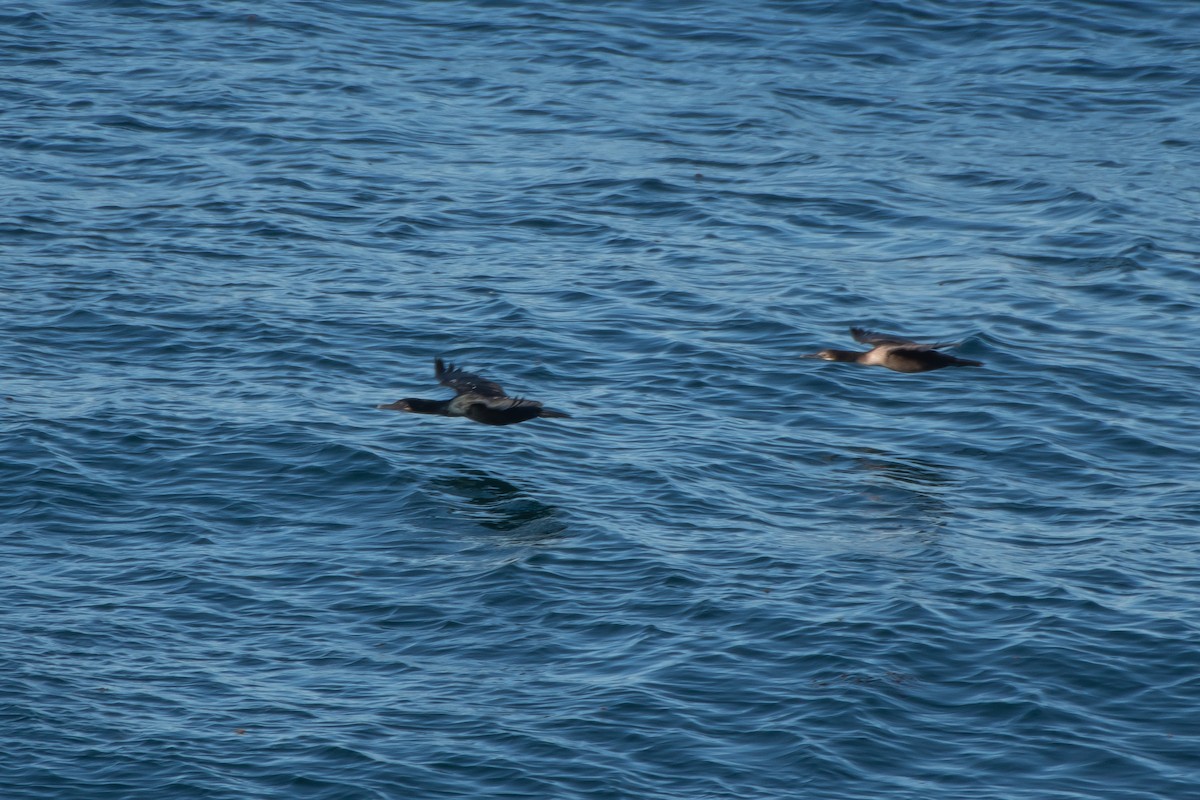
(230, 230)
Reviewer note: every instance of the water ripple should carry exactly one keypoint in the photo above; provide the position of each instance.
(732, 572)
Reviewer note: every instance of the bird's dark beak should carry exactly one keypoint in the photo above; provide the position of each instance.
(399, 405)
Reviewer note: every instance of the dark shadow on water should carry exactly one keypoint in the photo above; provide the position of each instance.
(498, 505)
(913, 487)
(914, 473)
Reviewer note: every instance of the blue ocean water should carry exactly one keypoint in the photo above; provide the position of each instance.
(230, 229)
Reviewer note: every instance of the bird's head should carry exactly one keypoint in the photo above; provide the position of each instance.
(417, 405)
(834, 355)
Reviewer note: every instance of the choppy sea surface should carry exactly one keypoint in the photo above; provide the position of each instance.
(230, 229)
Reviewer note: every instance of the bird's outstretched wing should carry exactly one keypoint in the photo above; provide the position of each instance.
(872, 338)
(503, 403)
(465, 382)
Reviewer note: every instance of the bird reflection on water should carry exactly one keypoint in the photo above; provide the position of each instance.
(499, 505)
(912, 486)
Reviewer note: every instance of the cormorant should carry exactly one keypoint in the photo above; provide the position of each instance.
(475, 398)
(901, 355)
